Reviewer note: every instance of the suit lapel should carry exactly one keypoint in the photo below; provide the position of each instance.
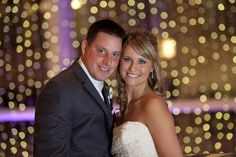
(92, 91)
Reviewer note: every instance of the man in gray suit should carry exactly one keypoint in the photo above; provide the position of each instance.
(72, 119)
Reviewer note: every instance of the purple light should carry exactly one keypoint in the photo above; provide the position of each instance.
(182, 106)
(185, 106)
(7, 115)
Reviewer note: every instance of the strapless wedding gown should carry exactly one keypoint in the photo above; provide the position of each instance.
(133, 139)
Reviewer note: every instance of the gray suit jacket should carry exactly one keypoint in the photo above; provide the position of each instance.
(71, 119)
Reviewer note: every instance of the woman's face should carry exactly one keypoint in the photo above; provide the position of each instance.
(134, 69)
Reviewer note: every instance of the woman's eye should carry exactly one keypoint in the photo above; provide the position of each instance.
(141, 61)
(126, 59)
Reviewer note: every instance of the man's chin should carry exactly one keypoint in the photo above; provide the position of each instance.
(102, 78)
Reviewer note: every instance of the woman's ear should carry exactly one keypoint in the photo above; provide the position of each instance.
(152, 70)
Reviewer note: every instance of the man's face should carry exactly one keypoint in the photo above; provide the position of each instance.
(101, 57)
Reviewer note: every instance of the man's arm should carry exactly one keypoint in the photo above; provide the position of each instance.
(52, 124)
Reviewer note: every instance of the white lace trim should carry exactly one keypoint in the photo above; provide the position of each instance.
(133, 139)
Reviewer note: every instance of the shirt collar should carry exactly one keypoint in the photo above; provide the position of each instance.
(98, 84)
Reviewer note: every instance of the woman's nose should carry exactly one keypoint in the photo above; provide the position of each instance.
(132, 66)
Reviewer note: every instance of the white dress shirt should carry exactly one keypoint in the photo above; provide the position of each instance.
(97, 84)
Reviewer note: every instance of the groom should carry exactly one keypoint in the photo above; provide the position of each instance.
(72, 119)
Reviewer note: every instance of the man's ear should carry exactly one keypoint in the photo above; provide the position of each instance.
(84, 46)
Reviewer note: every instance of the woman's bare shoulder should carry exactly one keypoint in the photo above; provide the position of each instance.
(155, 105)
(154, 101)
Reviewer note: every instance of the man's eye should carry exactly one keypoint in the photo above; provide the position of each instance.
(141, 61)
(101, 51)
(116, 54)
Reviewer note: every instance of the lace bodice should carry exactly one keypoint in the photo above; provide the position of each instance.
(133, 139)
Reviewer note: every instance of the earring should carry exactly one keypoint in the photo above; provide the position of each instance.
(152, 75)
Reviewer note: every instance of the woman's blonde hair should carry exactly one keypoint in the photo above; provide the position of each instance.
(146, 45)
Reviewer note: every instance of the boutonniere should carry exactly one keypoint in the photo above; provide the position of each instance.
(110, 93)
(110, 96)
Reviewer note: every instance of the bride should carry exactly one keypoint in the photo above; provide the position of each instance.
(147, 127)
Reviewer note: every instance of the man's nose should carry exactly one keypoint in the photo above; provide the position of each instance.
(107, 59)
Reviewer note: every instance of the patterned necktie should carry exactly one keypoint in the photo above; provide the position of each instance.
(105, 91)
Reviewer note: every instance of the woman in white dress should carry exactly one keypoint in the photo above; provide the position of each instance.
(147, 128)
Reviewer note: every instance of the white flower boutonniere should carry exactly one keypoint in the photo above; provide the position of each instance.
(110, 93)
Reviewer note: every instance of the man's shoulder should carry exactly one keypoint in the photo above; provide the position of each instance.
(65, 77)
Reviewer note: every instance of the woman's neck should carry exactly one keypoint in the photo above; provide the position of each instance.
(134, 93)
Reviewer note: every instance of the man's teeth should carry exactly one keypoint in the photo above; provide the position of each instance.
(104, 69)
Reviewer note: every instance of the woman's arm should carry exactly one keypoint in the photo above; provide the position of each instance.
(161, 125)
